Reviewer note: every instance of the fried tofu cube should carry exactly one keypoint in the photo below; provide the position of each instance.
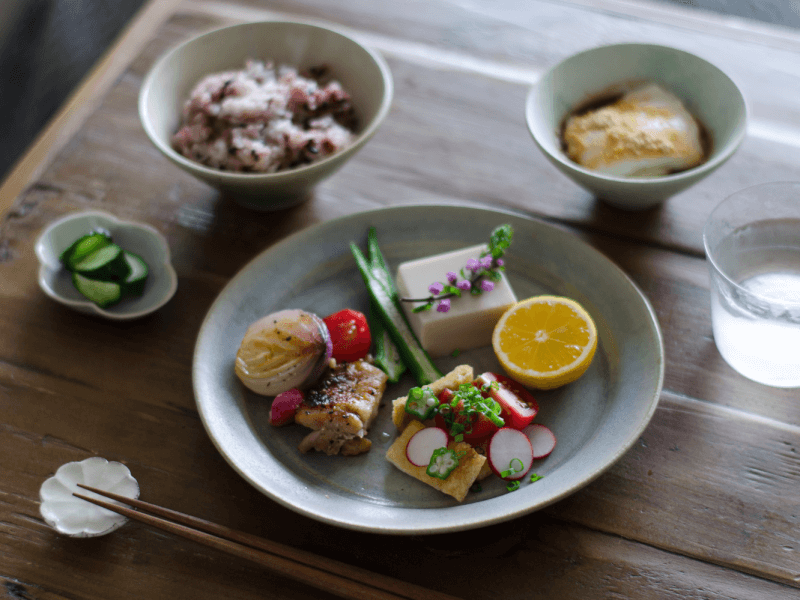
(459, 481)
(461, 374)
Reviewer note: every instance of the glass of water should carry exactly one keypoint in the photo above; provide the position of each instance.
(752, 243)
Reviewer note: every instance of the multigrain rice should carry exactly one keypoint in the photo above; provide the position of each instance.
(264, 119)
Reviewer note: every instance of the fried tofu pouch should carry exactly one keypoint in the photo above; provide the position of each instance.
(472, 467)
(457, 483)
(461, 374)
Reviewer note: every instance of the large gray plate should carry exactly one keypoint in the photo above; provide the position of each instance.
(596, 419)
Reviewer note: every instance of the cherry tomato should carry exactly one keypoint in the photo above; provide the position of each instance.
(477, 430)
(519, 407)
(350, 335)
(445, 396)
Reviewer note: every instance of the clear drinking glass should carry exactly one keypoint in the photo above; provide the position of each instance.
(752, 243)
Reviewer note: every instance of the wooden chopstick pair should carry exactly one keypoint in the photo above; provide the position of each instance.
(323, 573)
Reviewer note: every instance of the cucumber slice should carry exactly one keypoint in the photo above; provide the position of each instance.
(102, 293)
(106, 264)
(83, 247)
(134, 283)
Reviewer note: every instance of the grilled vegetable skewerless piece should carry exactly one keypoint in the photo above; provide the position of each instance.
(387, 356)
(387, 304)
(284, 350)
(341, 407)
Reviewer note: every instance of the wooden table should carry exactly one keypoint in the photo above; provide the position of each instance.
(705, 505)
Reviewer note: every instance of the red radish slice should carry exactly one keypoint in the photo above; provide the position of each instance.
(542, 439)
(422, 444)
(510, 450)
(518, 406)
(284, 406)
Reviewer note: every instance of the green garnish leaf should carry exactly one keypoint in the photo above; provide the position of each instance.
(512, 485)
(535, 477)
(500, 240)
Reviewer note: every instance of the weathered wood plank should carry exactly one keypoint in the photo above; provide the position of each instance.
(707, 480)
(702, 507)
(508, 45)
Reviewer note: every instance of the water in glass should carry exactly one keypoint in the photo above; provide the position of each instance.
(756, 302)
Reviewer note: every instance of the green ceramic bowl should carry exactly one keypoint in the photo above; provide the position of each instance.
(708, 93)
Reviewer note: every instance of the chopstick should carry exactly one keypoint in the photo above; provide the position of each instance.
(333, 576)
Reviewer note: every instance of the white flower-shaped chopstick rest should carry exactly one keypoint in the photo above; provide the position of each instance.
(75, 517)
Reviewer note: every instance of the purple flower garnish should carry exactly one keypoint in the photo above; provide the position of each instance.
(487, 286)
(464, 285)
(473, 265)
(436, 288)
(500, 262)
(486, 262)
(443, 306)
(452, 277)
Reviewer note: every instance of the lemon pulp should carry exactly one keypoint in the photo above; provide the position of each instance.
(545, 341)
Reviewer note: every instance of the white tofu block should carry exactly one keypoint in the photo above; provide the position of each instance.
(471, 319)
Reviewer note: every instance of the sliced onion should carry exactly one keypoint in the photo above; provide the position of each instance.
(287, 349)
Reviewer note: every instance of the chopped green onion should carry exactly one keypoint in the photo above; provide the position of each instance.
(512, 485)
(464, 408)
(513, 468)
(535, 477)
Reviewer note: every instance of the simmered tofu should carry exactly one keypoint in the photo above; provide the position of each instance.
(470, 320)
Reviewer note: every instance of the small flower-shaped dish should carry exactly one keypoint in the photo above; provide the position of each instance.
(75, 517)
(138, 238)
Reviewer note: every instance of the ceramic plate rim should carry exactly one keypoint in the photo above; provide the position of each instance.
(338, 511)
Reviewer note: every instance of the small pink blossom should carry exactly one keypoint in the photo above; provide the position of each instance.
(500, 262)
(452, 277)
(443, 306)
(487, 286)
(486, 262)
(436, 288)
(473, 265)
(464, 285)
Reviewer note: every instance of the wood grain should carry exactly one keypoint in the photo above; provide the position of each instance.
(704, 506)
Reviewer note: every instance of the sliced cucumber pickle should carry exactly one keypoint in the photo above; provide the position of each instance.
(102, 293)
(107, 264)
(102, 271)
(83, 247)
(134, 283)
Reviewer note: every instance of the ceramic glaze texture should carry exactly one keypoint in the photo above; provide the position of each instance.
(75, 517)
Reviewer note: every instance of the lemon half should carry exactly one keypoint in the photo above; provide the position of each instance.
(545, 342)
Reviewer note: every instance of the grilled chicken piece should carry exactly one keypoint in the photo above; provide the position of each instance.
(341, 407)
